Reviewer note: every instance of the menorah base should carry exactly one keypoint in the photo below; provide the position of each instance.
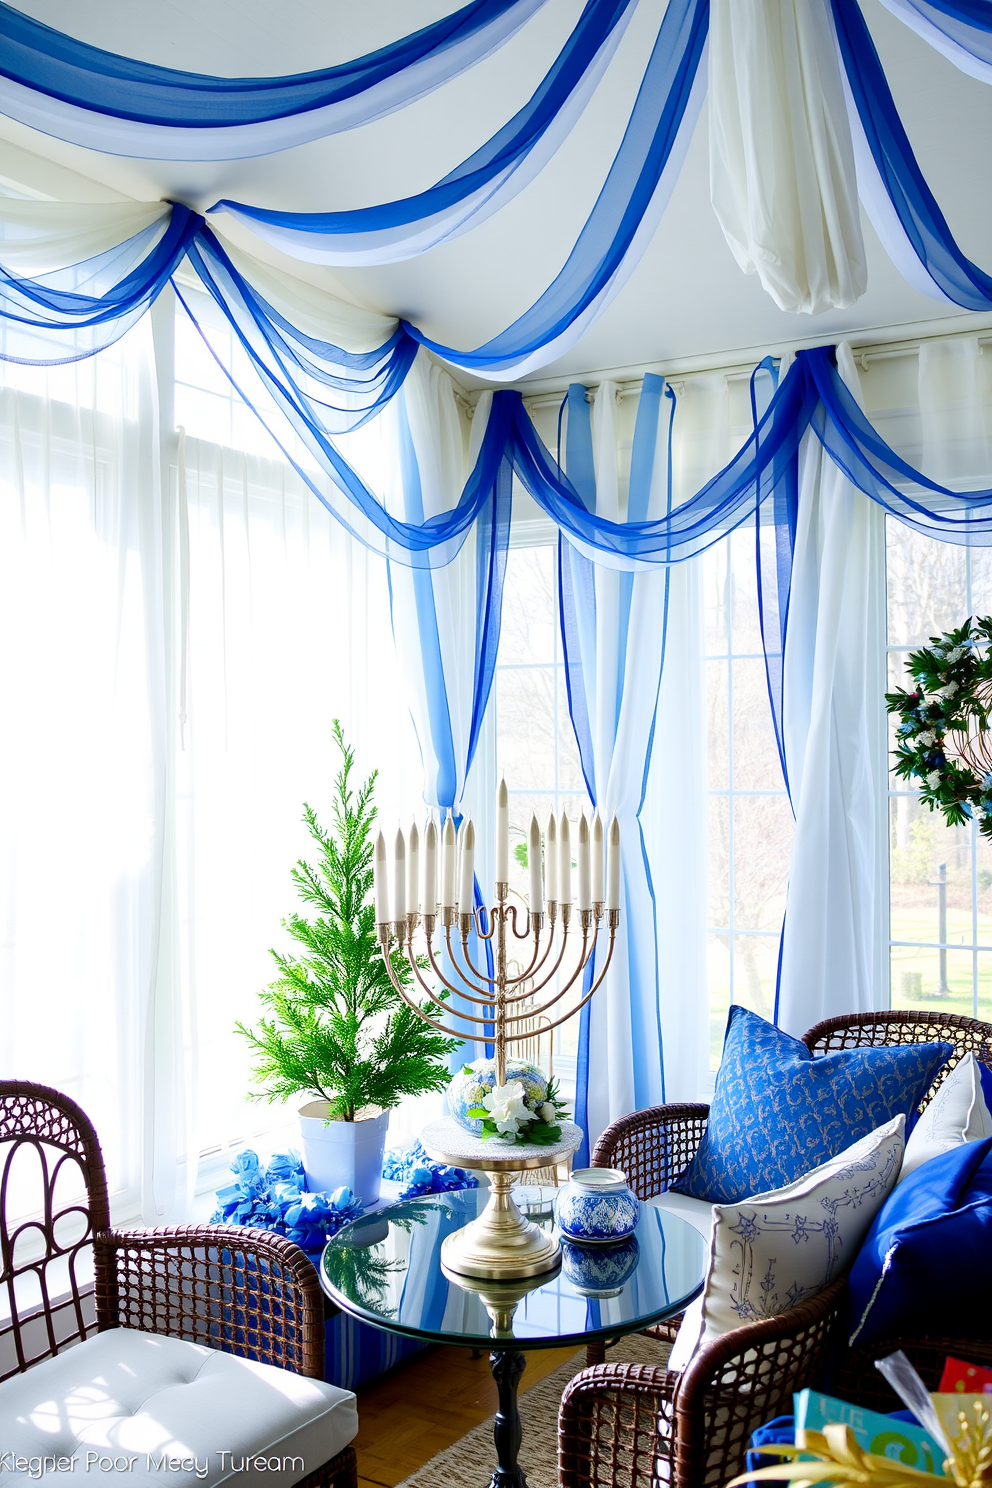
(501, 1245)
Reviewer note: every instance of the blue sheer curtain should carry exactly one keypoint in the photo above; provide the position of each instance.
(446, 623)
(80, 93)
(614, 629)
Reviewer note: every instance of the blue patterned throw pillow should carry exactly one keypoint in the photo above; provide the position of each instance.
(777, 1112)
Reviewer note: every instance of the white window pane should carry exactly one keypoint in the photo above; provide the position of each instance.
(926, 585)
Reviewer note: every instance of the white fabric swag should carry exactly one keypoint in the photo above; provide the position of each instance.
(782, 175)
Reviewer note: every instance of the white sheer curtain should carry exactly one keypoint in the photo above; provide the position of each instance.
(144, 868)
(86, 933)
(834, 725)
(288, 630)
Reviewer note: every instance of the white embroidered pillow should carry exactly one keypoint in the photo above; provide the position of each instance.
(771, 1251)
(956, 1114)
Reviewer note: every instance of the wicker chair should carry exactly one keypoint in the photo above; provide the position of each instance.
(240, 1291)
(636, 1426)
(608, 1427)
(877, 1030)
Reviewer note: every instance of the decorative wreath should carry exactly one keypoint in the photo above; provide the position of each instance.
(943, 737)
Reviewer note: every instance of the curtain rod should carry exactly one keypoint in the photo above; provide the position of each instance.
(864, 354)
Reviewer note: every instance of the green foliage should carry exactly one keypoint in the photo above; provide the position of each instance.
(951, 695)
(336, 1027)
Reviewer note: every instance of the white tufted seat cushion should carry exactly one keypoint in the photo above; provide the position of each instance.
(136, 1397)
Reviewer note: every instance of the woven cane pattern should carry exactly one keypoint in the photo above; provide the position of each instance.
(243, 1291)
(629, 1426)
(50, 1164)
(653, 1147)
(878, 1030)
(856, 1378)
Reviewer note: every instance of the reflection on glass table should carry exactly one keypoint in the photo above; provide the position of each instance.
(386, 1270)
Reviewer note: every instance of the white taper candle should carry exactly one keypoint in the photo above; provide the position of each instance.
(585, 865)
(413, 870)
(551, 859)
(564, 861)
(502, 835)
(598, 860)
(381, 880)
(466, 892)
(534, 866)
(399, 878)
(613, 889)
(449, 853)
(430, 868)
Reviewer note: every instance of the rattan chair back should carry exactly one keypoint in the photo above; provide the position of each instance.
(904, 1026)
(53, 1200)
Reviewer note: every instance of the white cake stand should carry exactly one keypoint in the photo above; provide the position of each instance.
(501, 1245)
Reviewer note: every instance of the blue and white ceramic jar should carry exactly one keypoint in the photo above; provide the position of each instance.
(597, 1206)
(600, 1270)
(477, 1080)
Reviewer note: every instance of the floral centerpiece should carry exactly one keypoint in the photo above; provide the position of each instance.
(526, 1109)
(942, 738)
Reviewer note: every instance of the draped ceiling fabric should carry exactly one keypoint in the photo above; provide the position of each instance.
(784, 159)
(781, 161)
(78, 92)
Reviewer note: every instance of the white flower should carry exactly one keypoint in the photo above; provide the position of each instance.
(955, 653)
(507, 1108)
(927, 738)
(548, 1113)
(933, 779)
(949, 690)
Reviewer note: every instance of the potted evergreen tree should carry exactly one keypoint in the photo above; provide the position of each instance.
(336, 1028)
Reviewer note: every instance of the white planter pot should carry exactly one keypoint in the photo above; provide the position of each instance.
(342, 1153)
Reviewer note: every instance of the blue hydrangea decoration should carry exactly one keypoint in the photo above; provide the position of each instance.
(421, 1175)
(276, 1198)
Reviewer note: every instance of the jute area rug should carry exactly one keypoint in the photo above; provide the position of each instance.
(469, 1462)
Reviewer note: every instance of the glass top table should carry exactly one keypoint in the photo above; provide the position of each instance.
(385, 1269)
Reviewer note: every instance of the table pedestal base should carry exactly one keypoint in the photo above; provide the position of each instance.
(507, 1367)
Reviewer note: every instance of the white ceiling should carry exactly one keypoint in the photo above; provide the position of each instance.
(686, 301)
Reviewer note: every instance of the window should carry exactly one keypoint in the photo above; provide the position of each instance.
(940, 904)
(750, 820)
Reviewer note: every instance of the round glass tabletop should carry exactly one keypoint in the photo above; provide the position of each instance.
(386, 1270)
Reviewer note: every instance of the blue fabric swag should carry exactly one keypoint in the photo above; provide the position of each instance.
(323, 389)
(163, 113)
(477, 187)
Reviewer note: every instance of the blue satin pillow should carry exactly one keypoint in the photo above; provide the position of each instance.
(777, 1112)
(925, 1265)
